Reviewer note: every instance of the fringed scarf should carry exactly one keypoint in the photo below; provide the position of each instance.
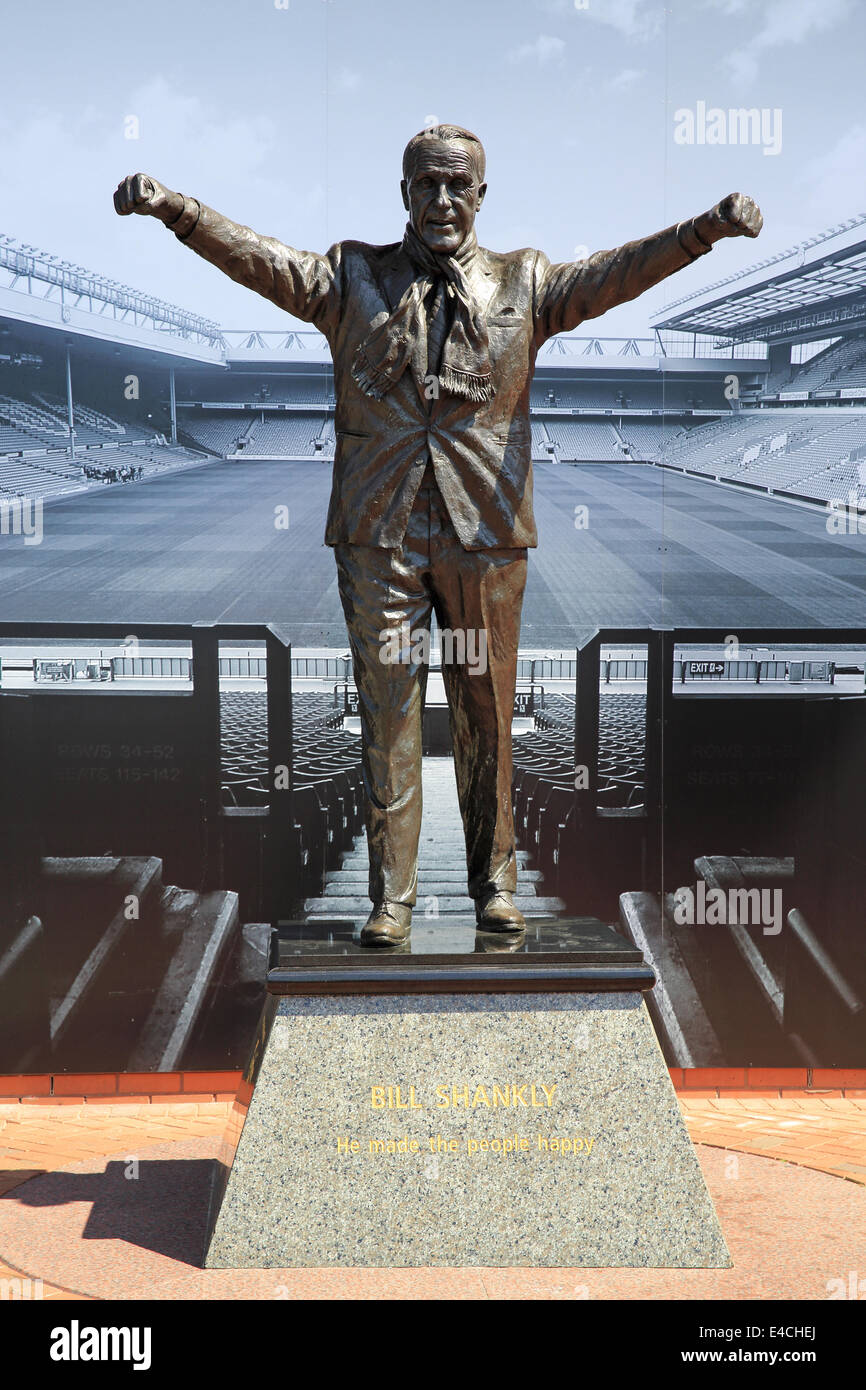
(383, 357)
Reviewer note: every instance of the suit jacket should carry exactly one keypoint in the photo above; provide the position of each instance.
(481, 453)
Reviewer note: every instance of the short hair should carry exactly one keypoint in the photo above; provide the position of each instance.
(444, 132)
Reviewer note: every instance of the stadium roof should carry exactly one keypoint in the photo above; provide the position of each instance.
(814, 299)
(566, 352)
(41, 292)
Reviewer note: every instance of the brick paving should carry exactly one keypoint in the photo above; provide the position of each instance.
(40, 1138)
(823, 1133)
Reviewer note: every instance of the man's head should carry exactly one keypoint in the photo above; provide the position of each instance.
(443, 185)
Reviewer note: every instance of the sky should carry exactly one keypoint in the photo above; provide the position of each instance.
(291, 116)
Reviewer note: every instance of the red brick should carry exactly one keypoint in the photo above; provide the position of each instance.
(116, 1100)
(226, 1096)
(16, 1086)
(148, 1083)
(84, 1083)
(761, 1093)
(202, 1097)
(776, 1076)
(676, 1075)
(694, 1094)
(854, 1094)
(726, 1077)
(838, 1076)
(211, 1080)
(795, 1092)
(56, 1100)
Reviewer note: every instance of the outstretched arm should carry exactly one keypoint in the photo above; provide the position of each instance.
(569, 293)
(301, 282)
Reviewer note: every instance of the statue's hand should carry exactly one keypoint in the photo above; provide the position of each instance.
(736, 215)
(143, 194)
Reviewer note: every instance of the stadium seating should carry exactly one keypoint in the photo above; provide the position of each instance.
(33, 419)
(543, 789)
(87, 420)
(36, 477)
(659, 394)
(34, 444)
(647, 438)
(218, 432)
(300, 390)
(285, 436)
(588, 440)
(327, 803)
(807, 452)
(540, 442)
(842, 364)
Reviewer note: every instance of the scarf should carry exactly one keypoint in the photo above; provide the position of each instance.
(385, 353)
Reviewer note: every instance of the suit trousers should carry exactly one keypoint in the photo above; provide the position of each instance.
(388, 596)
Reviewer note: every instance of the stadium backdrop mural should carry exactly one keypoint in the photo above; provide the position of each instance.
(180, 761)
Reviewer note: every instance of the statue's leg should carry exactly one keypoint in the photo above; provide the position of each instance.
(387, 607)
(478, 595)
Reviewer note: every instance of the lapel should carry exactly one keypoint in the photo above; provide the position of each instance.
(396, 279)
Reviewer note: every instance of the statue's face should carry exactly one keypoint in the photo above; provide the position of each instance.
(443, 194)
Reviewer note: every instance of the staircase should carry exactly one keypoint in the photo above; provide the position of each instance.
(442, 897)
(115, 970)
(723, 980)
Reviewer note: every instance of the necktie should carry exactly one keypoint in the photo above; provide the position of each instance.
(437, 324)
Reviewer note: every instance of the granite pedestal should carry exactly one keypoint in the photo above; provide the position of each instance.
(503, 1104)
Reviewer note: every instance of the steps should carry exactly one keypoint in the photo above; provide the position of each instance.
(118, 967)
(441, 866)
(719, 1000)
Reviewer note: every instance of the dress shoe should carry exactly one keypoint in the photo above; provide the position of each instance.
(495, 911)
(387, 925)
(491, 943)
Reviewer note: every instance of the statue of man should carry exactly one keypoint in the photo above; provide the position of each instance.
(434, 340)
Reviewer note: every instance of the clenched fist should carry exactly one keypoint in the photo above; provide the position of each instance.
(736, 215)
(143, 194)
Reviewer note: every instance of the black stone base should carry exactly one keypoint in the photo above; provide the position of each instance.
(552, 955)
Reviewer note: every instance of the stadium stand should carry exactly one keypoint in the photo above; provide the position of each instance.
(811, 453)
(589, 440)
(34, 445)
(285, 436)
(618, 393)
(15, 440)
(38, 426)
(544, 782)
(647, 438)
(86, 417)
(218, 432)
(540, 442)
(841, 365)
(328, 797)
(34, 477)
(297, 390)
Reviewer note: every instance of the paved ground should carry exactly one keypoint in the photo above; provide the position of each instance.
(74, 1214)
(658, 548)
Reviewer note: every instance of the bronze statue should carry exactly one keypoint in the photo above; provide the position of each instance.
(434, 340)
